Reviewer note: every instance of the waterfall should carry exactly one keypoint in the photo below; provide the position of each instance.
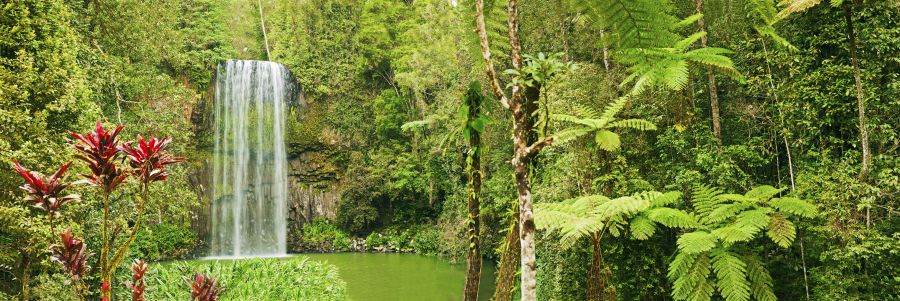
(249, 173)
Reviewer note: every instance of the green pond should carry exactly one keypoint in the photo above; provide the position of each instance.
(399, 277)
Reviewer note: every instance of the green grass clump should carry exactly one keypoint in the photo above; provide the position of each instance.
(295, 278)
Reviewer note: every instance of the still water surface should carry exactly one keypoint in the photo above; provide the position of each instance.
(403, 277)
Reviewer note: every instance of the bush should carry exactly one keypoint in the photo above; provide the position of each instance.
(323, 235)
(356, 210)
(163, 242)
(428, 242)
(295, 278)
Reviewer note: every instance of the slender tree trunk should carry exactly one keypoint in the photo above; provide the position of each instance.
(26, 277)
(523, 151)
(598, 276)
(509, 264)
(711, 79)
(262, 23)
(473, 256)
(593, 280)
(860, 98)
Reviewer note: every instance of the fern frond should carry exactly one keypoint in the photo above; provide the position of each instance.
(705, 198)
(613, 108)
(584, 111)
(634, 23)
(781, 230)
(794, 206)
(589, 122)
(697, 242)
(724, 212)
(733, 234)
(637, 124)
(673, 218)
(731, 275)
(760, 279)
(607, 140)
(665, 199)
(713, 57)
(570, 134)
(794, 6)
(757, 218)
(623, 206)
(690, 277)
(642, 227)
(686, 43)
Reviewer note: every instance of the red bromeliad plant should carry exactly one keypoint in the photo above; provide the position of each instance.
(148, 158)
(44, 192)
(138, 284)
(73, 255)
(100, 149)
(205, 288)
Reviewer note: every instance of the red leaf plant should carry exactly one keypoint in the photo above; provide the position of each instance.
(72, 254)
(148, 158)
(138, 284)
(205, 288)
(44, 192)
(100, 150)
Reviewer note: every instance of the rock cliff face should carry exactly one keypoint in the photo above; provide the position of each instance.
(314, 187)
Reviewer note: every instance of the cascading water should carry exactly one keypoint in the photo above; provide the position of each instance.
(249, 180)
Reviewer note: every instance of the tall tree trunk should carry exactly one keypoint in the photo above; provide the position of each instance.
(509, 264)
(473, 162)
(860, 98)
(711, 79)
(523, 151)
(26, 277)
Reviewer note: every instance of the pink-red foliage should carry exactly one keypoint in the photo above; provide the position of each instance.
(44, 192)
(72, 254)
(205, 288)
(148, 158)
(138, 284)
(100, 150)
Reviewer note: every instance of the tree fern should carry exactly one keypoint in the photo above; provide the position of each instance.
(588, 121)
(726, 221)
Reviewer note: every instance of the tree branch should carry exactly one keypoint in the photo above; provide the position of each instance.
(486, 54)
(533, 149)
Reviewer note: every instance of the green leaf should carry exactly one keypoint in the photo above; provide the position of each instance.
(673, 218)
(794, 206)
(696, 242)
(731, 275)
(642, 227)
(607, 140)
(781, 231)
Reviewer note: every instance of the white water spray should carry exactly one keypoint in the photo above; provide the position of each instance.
(249, 180)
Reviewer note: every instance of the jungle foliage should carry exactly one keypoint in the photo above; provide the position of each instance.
(385, 80)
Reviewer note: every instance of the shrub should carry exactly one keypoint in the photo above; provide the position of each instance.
(356, 211)
(295, 278)
(323, 235)
(428, 242)
(163, 242)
